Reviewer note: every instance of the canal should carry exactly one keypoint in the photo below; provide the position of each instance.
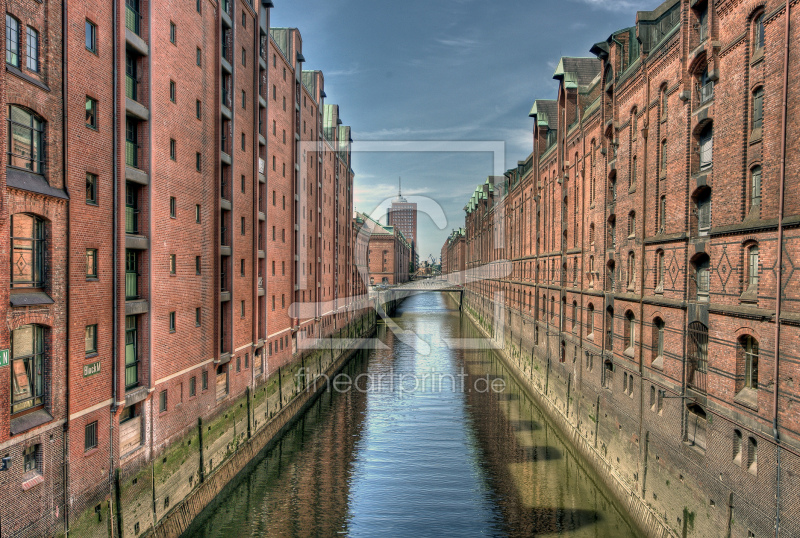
(464, 452)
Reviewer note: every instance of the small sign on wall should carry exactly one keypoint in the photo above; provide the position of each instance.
(91, 369)
(3, 357)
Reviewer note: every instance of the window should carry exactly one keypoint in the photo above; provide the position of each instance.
(198, 109)
(172, 264)
(662, 214)
(244, 56)
(702, 27)
(759, 33)
(696, 426)
(737, 446)
(172, 208)
(198, 162)
(274, 93)
(703, 202)
(131, 352)
(630, 329)
(664, 106)
(755, 188)
(749, 348)
(27, 367)
(697, 357)
(172, 322)
(632, 224)
(91, 37)
(241, 307)
(197, 265)
(33, 50)
(702, 275)
(90, 338)
(612, 187)
(243, 142)
(173, 149)
(608, 374)
(659, 271)
(28, 251)
(192, 386)
(91, 188)
(162, 401)
(25, 148)
(658, 334)
(706, 147)
(173, 33)
(204, 380)
(243, 226)
(758, 110)
(91, 113)
(30, 459)
(241, 267)
(12, 41)
(664, 157)
(752, 269)
(631, 269)
(590, 319)
(244, 99)
(197, 213)
(609, 328)
(198, 6)
(91, 263)
(90, 436)
(752, 455)
(706, 87)
(199, 57)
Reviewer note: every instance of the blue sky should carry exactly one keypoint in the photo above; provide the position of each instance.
(449, 70)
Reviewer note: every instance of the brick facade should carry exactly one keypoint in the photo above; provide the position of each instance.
(155, 198)
(388, 252)
(643, 233)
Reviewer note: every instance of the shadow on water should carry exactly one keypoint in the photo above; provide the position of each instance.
(429, 463)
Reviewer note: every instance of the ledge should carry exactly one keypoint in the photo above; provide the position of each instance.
(665, 238)
(224, 358)
(754, 226)
(138, 306)
(136, 242)
(136, 109)
(749, 312)
(30, 479)
(748, 398)
(29, 298)
(225, 204)
(28, 181)
(136, 395)
(225, 250)
(224, 296)
(136, 175)
(27, 78)
(29, 421)
(136, 43)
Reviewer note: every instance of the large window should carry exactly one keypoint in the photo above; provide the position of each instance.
(759, 33)
(697, 358)
(702, 277)
(27, 367)
(25, 149)
(752, 269)
(755, 187)
(758, 110)
(27, 251)
(749, 350)
(703, 202)
(12, 41)
(131, 352)
(32, 59)
(706, 147)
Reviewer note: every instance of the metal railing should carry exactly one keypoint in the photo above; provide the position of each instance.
(706, 92)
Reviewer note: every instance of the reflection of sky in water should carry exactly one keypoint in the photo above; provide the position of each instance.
(422, 463)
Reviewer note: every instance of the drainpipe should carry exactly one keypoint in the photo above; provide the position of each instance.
(65, 145)
(779, 283)
(114, 255)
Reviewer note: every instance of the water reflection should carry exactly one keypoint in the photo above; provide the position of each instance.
(422, 463)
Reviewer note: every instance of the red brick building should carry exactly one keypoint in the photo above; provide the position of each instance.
(644, 232)
(388, 254)
(186, 182)
(454, 256)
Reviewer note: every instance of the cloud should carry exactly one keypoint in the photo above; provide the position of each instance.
(614, 5)
(458, 42)
(353, 70)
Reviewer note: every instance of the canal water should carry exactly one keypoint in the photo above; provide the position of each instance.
(426, 442)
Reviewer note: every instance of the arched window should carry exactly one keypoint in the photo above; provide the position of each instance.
(632, 181)
(702, 267)
(752, 455)
(612, 187)
(758, 111)
(27, 251)
(703, 202)
(658, 341)
(630, 331)
(634, 124)
(662, 214)
(697, 358)
(591, 271)
(706, 87)
(590, 319)
(706, 141)
(574, 316)
(591, 234)
(755, 188)
(659, 271)
(631, 268)
(632, 224)
(758, 41)
(25, 140)
(608, 374)
(664, 157)
(664, 103)
(612, 231)
(27, 367)
(748, 353)
(563, 355)
(696, 425)
(751, 282)
(737, 447)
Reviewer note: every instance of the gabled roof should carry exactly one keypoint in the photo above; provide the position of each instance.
(545, 111)
(575, 72)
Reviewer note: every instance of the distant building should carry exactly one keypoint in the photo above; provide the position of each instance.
(388, 253)
(403, 215)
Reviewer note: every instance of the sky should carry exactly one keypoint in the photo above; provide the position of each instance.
(442, 72)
